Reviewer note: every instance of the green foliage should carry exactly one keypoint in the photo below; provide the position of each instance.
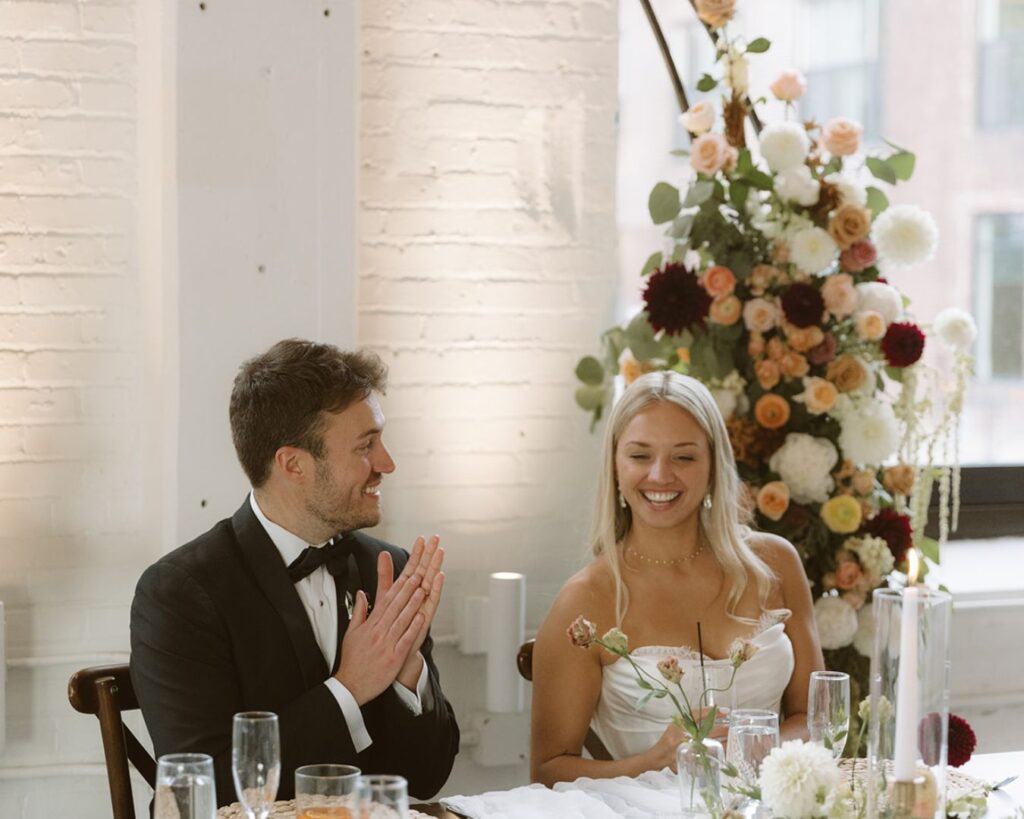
(877, 201)
(880, 169)
(699, 193)
(640, 338)
(706, 83)
(653, 263)
(929, 548)
(759, 46)
(663, 203)
(590, 371)
(902, 165)
(589, 396)
(680, 228)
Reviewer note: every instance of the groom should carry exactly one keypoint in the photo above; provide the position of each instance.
(286, 606)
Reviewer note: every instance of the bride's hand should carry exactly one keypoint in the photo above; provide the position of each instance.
(663, 753)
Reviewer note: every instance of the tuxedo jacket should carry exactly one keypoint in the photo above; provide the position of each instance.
(217, 627)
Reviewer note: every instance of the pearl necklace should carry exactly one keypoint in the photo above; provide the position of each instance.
(673, 562)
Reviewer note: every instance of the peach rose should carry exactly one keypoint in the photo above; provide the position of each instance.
(716, 13)
(869, 325)
(803, 339)
(863, 482)
(760, 315)
(846, 470)
(760, 277)
(847, 575)
(709, 153)
(849, 224)
(719, 281)
(846, 372)
(683, 354)
(780, 251)
(776, 348)
(788, 86)
(755, 347)
(630, 368)
(858, 257)
(818, 396)
(771, 411)
(773, 500)
(794, 365)
(767, 372)
(726, 311)
(899, 479)
(699, 119)
(840, 294)
(841, 136)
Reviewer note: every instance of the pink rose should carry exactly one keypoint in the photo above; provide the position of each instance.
(710, 153)
(789, 86)
(841, 136)
(839, 294)
(760, 315)
(858, 257)
(847, 575)
(699, 119)
(824, 352)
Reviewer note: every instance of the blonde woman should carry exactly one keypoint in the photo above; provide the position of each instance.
(670, 551)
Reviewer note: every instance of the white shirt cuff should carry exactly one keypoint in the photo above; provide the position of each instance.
(413, 700)
(350, 711)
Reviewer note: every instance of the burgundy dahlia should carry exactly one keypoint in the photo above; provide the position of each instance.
(962, 741)
(894, 529)
(675, 300)
(902, 344)
(803, 305)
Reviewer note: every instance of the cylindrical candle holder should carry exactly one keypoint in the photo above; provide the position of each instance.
(909, 706)
(506, 613)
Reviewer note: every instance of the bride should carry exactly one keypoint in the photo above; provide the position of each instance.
(669, 552)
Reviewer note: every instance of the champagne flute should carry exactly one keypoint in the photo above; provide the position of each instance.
(383, 797)
(256, 761)
(828, 710)
(185, 787)
(719, 691)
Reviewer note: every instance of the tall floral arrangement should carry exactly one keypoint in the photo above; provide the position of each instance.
(770, 291)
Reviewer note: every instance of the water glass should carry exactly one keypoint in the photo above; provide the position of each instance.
(828, 710)
(326, 791)
(719, 691)
(383, 797)
(185, 787)
(753, 734)
(256, 761)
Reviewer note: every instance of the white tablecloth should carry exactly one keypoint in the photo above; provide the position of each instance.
(655, 795)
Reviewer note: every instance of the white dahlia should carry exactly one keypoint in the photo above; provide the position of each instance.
(956, 329)
(881, 298)
(850, 191)
(870, 434)
(796, 779)
(836, 621)
(874, 555)
(864, 639)
(804, 463)
(905, 234)
(797, 185)
(784, 145)
(812, 250)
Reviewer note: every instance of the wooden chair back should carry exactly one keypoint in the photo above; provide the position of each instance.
(592, 742)
(106, 691)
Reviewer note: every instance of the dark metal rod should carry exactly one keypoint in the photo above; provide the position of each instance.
(673, 75)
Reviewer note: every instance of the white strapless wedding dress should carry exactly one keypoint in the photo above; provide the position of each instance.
(759, 683)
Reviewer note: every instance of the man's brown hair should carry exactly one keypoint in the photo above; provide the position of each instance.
(279, 398)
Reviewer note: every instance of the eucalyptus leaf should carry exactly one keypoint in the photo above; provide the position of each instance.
(760, 180)
(681, 225)
(895, 373)
(759, 46)
(877, 201)
(929, 548)
(895, 147)
(744, 162)
(706, 83)
(738, 193)
(699, 193)
(835, 164)
(902, 164)
(590, 371)
(679, 152)
(653, 263)
(590, 397)
(639, 338)
(663, 203)
(640, 703)
(880, 169)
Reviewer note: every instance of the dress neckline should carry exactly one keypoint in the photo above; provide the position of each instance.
(772, 621)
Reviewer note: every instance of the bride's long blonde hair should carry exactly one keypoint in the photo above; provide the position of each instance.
(721, 527)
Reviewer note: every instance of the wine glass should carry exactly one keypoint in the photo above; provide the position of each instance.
(326, 791)
(719, 691)
(828, 710)
(753, 734)
(256, 761)
(185, 787)
(383, 797)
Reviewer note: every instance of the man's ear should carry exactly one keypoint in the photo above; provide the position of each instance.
(293, 464)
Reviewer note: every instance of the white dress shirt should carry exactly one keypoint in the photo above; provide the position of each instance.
(319, 598)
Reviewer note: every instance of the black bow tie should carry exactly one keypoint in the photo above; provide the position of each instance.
(333, 555)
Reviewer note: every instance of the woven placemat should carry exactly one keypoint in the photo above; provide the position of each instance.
(956, 782)
(286, 810)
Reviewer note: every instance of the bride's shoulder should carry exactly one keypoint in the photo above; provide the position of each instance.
(778, 553)
(589, 593)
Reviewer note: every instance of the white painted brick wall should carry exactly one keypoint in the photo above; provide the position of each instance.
(487, 267)
(72, 533)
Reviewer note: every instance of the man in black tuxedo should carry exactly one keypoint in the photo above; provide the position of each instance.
(285, 606)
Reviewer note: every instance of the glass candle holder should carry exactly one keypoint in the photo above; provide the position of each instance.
(908, 720)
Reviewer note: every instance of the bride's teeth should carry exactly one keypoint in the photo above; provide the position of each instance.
(661, 497)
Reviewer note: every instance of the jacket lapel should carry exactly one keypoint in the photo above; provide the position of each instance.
(264, 560)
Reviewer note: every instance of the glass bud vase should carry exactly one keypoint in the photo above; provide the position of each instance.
(700, 777)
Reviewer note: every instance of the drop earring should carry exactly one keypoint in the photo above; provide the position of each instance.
(622, 500)
(706, 503)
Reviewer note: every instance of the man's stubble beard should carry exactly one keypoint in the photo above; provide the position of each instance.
(324, 505)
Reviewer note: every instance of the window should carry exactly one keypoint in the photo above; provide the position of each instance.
(999, 294)
(838, 48)
(1000, 63)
